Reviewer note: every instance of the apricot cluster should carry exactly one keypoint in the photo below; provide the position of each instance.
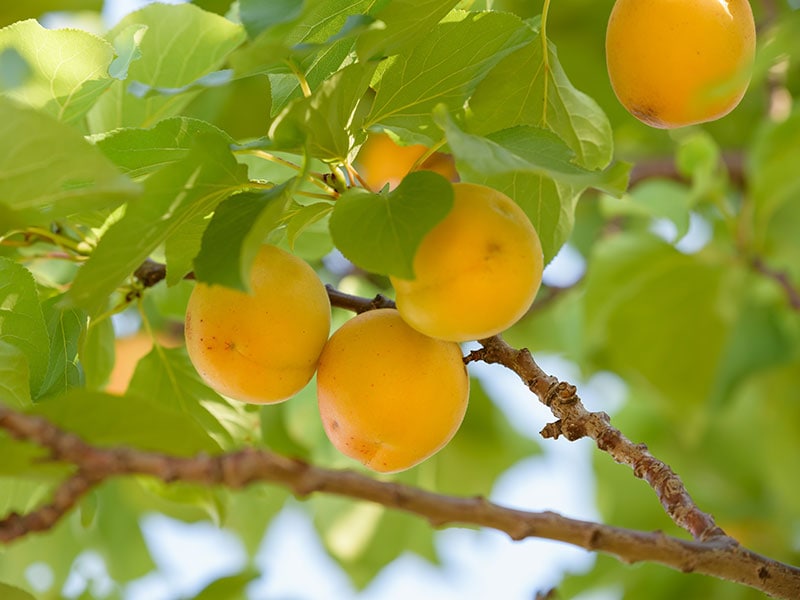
(678, 62)
(392, 386)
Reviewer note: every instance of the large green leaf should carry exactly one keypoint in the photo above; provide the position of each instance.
(49, 171)
(535, 168)
(65, 327)
(138, 420)
(381, 232)
(659, 317)
(142, 151)
(237, 230)
(444, 68)
(545, 98)
(67, 68)
(181, 45)
(364, 538)
(11, 592)
(22, 324)
(175, 196)
(15, 386)
(167, 375)
(771, 172)
(322, 123)
(404, 23)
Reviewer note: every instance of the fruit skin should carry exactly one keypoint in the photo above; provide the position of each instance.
(679, 62)
(476, 272)
(389, 396)
(261, 347)
(382, 162)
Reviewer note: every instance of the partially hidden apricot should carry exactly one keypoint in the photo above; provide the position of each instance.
(679, 62)
(389, 396)
(476, 272)
(260, 347)
(381, 161)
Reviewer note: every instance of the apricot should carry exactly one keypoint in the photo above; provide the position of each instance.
(389, 396)
(476, 272)
(260, 347)
(679, 62)
(382, 161)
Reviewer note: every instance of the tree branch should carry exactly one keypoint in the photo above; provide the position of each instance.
(573, 422)
(720, 557)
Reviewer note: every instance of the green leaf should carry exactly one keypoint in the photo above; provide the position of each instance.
(164, 80)
(322, 122)
(545, 98)
(96, 353)
(65, 327)
(49, 171)
(380, 232)
(22, 324)
(140, 152)
(444, 68)
(299, 218)
(403, 24)
(168, 375)
(759, 340)
(364, 537)
(771, 175)
(67, 68)
(536, 169)
(15, 386)
(10, 592)
(141, 421)
(174, 196)
(237, 230)
(232, 586)
(525, 149)
(299, 36)
(640, 292)
(258, 16)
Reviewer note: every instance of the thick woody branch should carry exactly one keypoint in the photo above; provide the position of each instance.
(721, 557)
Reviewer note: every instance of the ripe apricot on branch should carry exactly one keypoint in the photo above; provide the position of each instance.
(476, 272)
(679, 62)
(261, 347)
(389, 396)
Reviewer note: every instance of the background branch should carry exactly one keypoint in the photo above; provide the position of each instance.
(720, 557)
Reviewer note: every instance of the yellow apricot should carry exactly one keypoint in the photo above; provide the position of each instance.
(389, 396)
(260, 347)
(382, 161)
(476, 272)
(678, 62)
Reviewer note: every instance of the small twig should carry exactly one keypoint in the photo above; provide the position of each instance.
(575, 422)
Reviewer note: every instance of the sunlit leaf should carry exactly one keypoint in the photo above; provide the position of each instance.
(22, 324)
(49, 171)
(470, 44)
(176, 195)
(67, 68)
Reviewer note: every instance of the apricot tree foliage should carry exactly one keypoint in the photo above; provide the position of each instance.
(170, 147)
